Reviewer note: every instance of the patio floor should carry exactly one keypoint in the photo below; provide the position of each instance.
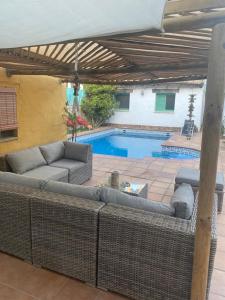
(22, 281)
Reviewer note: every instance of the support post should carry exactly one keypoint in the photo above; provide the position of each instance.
(209, 159)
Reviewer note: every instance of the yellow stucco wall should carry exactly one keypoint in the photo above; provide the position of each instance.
(40, 103)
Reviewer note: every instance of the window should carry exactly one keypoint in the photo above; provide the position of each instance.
(165, 102)
(8, 116)
(123, 100)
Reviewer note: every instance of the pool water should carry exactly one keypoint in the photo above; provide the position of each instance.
(133, 144)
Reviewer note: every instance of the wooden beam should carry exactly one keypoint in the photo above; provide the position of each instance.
(184, 6)
(166, 40)
(138, 82)
(138, 45)
(204, 20)
(209, 158)
(125, 70)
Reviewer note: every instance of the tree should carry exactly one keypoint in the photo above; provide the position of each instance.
(99, 103)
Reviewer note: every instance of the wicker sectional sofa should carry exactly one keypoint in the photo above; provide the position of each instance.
(126, 244)
(60, 161)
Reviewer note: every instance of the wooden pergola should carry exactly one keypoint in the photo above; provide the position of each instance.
(192, 47)
(181, 53)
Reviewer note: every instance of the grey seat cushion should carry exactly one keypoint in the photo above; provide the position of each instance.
(48, 173)
(77, 151)
(25, 160)
(192, 177)
(53, 151)
(7, 177)
(69, 164)
(109, 195)
(86, 192)
(72, 166)
(183, 201)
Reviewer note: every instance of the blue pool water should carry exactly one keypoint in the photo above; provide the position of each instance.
(134, 144)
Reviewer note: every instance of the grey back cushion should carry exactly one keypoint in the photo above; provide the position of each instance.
(109, 195)
(25, 160)
(76, 151)
(7, 177)
(53, 151)
(86, 192)
(183, 201)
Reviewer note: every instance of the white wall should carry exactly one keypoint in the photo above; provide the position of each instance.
(142, 109)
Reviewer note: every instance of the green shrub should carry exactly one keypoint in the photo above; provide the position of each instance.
(99, 103)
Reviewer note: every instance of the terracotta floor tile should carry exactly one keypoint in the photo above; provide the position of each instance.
(156, 167)
(8, 293)
(155, 196)
(221, 219)
(76, 290)
(158, 190)
(221, 243)
(44, 284)
(109, 296)
(141, 164)
(220, 260)
(169, 170)
(166, 199)
(169, 192)
(103, 168)
(98, 173)
(216, 297)
(37, 282)
(135, 172)
(218, 283)
(160, 184)
(221, 229)
(164, 179)
(13, 271)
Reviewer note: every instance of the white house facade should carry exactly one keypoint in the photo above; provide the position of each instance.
(159, 105)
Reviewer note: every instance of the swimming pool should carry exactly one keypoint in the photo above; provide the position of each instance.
(135, 144)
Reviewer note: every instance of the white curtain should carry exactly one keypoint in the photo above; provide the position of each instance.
(35, 22)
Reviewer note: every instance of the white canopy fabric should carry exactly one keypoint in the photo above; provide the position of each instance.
(36, 22)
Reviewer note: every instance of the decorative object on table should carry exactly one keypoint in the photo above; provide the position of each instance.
(114, 180)
(134, 189)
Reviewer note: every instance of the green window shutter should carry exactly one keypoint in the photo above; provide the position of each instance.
(170, 102)
(160, 104)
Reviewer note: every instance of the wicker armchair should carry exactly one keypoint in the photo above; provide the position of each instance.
(85, 173)
(147, 256)
(65, 234)
(15, 228)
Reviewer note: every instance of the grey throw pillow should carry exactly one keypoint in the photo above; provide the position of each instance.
(77, 151)
(25, 160)
(183, 201)
(109, 195)
(7, 177)
(53, 151)
(86, 192)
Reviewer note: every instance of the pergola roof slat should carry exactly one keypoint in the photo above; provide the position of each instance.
(181, 51)
(181, 7)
